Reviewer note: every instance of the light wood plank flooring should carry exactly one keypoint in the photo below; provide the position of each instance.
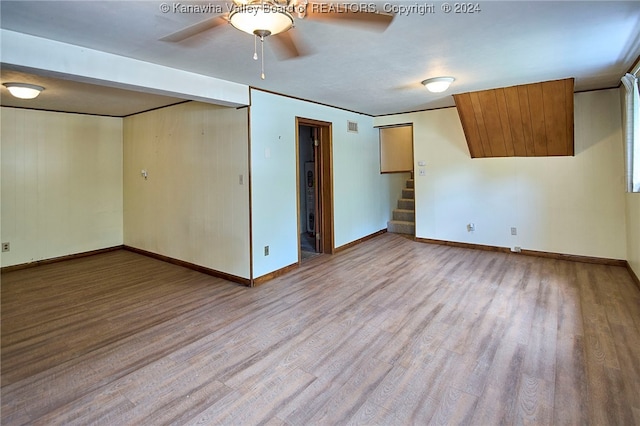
(388, 332)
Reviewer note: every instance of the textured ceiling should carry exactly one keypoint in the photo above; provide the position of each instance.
(500, 44)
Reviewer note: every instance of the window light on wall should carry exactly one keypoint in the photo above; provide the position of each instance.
(631, 119)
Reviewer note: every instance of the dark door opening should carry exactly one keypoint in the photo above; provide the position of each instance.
(315, 194)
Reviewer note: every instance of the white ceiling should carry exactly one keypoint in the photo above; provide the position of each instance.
(504, 44)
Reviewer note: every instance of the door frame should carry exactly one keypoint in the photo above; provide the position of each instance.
(324, 179)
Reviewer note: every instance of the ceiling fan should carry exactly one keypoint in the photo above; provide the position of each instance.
(263, 18)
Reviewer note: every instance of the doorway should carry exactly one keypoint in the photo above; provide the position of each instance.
(315, 188)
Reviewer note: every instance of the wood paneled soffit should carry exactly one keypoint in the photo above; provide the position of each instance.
(531, 120)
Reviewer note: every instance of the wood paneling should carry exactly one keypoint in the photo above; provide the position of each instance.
(487, 106)
(503, 113)
(482, 128)
(61, 184)
(391, 332)
(569, 118)
(536, 116)
(469, 124)
(533, 120)
(516, 119)
(194, 205)
(527, 127)
(555, 117)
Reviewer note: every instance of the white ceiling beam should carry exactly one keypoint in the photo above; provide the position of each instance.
(77, 63)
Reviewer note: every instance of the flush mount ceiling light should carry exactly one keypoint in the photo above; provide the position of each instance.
(438, 84)
(24, 90)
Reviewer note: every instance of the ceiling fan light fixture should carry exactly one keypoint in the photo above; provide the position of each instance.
(23, 90)
(261, 18)
(438, 84)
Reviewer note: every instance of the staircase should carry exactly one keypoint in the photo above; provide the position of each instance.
(404, 217)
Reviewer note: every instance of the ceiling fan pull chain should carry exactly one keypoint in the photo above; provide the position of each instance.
(262, 55)
(255, 47)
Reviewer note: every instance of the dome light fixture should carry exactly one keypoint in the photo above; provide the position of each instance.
(438, 84)
(261, 17)
(23, 90)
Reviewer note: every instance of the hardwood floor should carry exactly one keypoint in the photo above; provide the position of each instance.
(387, 332)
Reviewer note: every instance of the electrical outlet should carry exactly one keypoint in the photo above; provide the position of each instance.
(6, 247)
(266, 250)
(471, 227)
(241, 179)
(516, 249)
(514, 230)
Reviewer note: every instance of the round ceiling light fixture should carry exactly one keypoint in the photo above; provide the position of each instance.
(23, 90)
(261, 17)
(438, 84)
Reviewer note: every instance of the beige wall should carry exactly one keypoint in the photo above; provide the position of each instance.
(573, 205)
(61, 184)
(633, 232)
(192, 206)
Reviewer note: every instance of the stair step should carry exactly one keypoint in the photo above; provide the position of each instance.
(404, 215)
(401, 227)
(406, 204)
(408, 193)
(410, 183)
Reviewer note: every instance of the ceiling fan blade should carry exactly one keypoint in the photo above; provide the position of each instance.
(288, 46)
(194, 29)
(346, 14)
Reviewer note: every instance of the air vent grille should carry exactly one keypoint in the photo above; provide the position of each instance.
(352, 126)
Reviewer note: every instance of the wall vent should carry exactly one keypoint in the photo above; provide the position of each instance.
(352, 126)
